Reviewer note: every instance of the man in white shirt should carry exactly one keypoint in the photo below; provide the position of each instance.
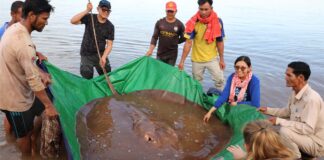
(302, 121)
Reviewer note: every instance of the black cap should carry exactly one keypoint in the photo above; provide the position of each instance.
(104, 3)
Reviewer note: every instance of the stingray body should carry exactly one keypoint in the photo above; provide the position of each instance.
(148, 125)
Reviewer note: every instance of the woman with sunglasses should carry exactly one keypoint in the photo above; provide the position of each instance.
(242, 87)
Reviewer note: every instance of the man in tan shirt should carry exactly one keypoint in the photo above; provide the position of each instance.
(302, 121)
(21, 80)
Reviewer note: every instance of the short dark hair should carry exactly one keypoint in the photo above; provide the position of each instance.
(246, 59)
(37, 6)
(300, 68)
(16, 5)
(201, 2)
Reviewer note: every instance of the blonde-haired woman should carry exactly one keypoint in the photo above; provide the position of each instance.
(261, 142)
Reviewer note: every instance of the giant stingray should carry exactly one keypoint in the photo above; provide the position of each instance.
(150, 125)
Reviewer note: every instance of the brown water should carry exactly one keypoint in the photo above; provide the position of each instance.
(148, 125)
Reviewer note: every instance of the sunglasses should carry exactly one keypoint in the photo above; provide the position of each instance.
(105, 10)
(170, 11)
(242, 68)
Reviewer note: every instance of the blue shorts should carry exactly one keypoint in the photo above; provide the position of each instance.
(22, 123)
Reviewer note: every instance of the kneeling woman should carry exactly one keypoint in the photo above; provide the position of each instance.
(242, 87)
(261, 142)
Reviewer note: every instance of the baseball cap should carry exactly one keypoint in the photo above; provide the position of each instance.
(104, 3)
(171, 6)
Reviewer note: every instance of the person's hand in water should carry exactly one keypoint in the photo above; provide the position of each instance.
(208, 115)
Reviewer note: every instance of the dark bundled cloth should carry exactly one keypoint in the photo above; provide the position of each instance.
(50, 137)
(213, 91)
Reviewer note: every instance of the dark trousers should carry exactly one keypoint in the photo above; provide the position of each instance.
(171, 60)
(90, 62)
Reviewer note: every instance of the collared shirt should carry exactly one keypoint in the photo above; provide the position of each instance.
(19, 73)
(305, 113)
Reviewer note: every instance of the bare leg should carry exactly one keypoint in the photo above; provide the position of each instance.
(7, 126)
(35, 133)
(24, 144)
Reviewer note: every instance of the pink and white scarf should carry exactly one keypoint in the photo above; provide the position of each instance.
(237, 82)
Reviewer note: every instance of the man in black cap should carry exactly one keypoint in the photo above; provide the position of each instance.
(105, 36)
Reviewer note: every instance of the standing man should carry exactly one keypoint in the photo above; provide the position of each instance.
(16, 13)
(21, 80)
(205, 30)
(105, 35)
(16, 16)
(302, 121)
(169, 31)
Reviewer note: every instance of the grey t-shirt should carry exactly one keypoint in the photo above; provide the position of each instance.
(104, 31)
